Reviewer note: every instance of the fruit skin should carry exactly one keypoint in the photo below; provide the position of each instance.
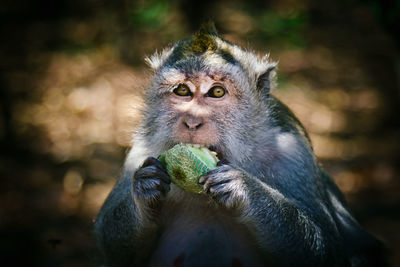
(185, 164)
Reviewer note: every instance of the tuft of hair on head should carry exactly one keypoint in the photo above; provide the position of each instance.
(208, 28)
(204, 39)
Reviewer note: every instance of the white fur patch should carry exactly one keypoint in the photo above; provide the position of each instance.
(136, 155)
(193, 108)
(157, 59)
(253, 63)
(287, 143)
(172, 76)
(214, 60)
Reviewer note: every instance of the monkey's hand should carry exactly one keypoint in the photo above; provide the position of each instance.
(226, 186)
(151, 183)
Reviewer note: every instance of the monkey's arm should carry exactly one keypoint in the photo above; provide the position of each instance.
(296, 233)
(126, 221)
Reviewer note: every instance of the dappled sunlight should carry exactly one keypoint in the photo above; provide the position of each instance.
(83, 199)
(73, 182)
(83, 101)
(85, 107)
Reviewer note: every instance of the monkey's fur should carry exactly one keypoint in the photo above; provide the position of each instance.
(270, 203)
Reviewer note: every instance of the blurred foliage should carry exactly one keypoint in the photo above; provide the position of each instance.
(149, 15)
(72, 75)
(284, 26)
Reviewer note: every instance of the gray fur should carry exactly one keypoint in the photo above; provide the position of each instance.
(272, 204)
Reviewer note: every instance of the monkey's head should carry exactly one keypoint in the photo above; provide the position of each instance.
(205, 91)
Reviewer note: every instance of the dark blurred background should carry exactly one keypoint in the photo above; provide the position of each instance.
(71, 77)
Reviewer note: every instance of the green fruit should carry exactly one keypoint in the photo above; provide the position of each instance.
(186, 163)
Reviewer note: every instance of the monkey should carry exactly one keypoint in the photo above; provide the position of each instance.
(267, 203)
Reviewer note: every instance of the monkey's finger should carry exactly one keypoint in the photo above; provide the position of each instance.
(220, 187)
(145, 186)
(163, 187)
(212, 175)
(202, 179)
(211, 186)
(151, 172)
(151, 161)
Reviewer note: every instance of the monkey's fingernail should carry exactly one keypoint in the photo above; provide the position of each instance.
(201, 180)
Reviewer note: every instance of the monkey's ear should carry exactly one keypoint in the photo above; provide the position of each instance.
(266, 80)
(156, 60)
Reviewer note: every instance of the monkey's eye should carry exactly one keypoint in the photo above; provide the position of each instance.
(182, 90)
(216, 92)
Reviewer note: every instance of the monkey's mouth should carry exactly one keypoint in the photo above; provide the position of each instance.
(214, 150)
(220, 155)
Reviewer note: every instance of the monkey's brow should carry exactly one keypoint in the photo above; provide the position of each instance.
(167, 84)
(219, 76)
(167, 87)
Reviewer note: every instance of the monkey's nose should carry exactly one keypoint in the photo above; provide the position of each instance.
(192, 123)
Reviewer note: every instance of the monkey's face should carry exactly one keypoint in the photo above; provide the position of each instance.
(199, 107)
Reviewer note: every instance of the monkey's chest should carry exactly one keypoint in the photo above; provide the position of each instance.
(192, 240)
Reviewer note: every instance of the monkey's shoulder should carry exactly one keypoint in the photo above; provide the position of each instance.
(282, 117)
